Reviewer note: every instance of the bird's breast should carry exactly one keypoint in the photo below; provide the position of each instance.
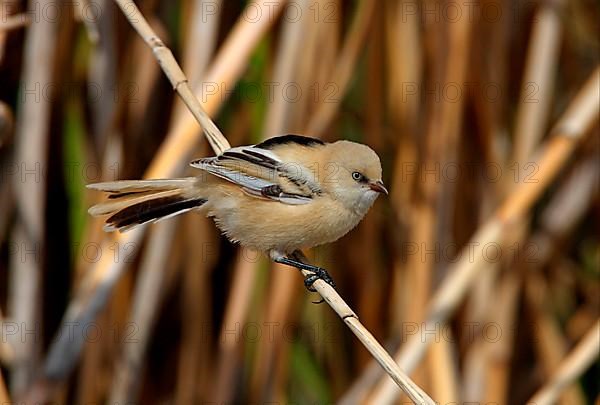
(270, 225)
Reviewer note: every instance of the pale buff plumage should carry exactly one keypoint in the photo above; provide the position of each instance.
(296, 193)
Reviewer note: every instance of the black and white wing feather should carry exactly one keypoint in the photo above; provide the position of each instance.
(261, 173)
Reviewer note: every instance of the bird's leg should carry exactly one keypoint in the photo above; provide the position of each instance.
(297, 259)
(318, 272)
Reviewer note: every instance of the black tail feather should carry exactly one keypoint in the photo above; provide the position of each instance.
(152, 210)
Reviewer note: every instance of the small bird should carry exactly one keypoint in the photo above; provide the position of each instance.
(280, 196)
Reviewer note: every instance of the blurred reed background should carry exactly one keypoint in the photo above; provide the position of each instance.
(481, 270)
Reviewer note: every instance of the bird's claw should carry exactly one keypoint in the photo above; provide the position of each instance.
(298, 260)
(318, 274)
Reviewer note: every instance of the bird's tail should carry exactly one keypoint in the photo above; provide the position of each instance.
(131, 203)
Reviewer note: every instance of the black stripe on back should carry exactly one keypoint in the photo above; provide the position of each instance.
(261, 157)
(125, 194)
(290, 138)
(152, 209)
(248, 158)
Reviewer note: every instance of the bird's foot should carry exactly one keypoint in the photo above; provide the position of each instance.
(317, 273)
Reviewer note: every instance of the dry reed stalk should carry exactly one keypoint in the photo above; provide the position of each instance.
(422, 224)
(445, 379)
(550, 344)
(280, 304)
(307, 73)
(90, 298)
(564, 211)
(366, 261)
(118, 309)
(145, 303)
(142, 76)
(31, 138)
(95, 373)
(195, 374)
(373, 50)
(405, 61)
(291, 50)
(499, 354)
(176, 76)
(572, 366)
(537, 87)
(89, 388)
(490, 44)
(336, 302)
(433, 210)
(418, 271)
(405, 68)
(102, 73)
(328, 32)
(492, 301)
(367, 239)
(478, 306)
(93, 370)
(499, 305)
(491, 51)
(202, 28)
(579, 117)
(235, 314)
(344, 67)
(473, 375)
(442, 142)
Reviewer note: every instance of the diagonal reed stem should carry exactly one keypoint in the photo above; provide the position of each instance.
(576, 362)
(169, 65)
(337, 303)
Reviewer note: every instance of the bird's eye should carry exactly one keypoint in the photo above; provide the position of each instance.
(357, 176)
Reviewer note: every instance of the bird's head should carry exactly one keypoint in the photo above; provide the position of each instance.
(353, 175)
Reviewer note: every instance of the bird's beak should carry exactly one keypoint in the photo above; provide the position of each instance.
(378, 186)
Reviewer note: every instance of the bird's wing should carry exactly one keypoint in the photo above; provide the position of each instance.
(260, 172)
